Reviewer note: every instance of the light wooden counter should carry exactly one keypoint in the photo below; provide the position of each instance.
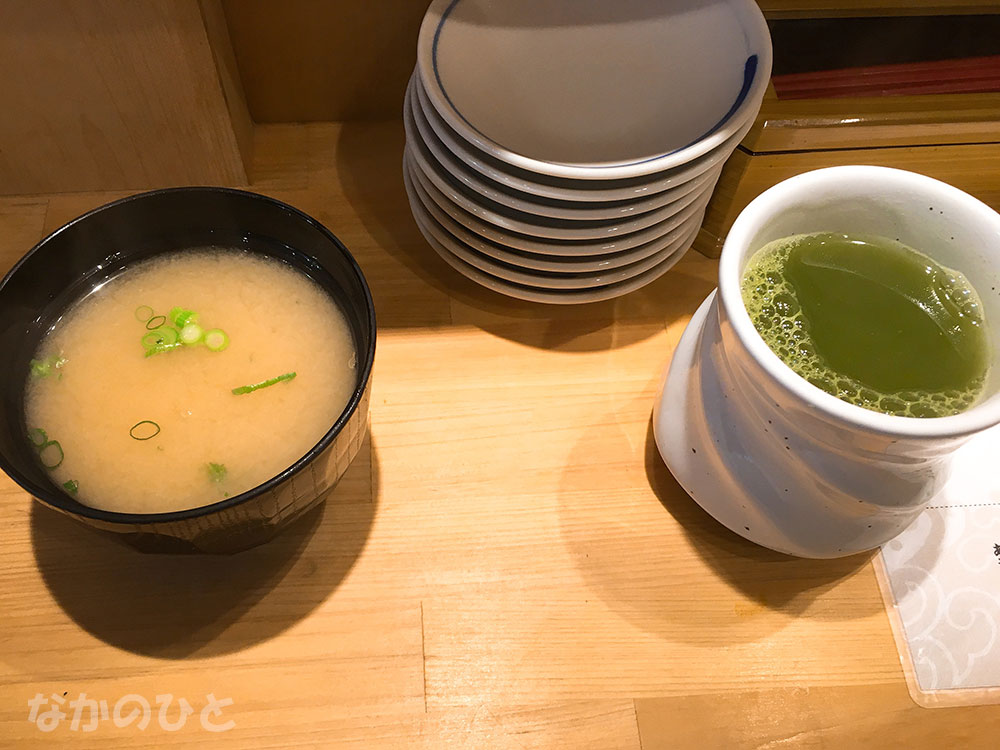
(508, 564)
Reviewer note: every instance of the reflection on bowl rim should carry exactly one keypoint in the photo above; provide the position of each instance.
(53, 497)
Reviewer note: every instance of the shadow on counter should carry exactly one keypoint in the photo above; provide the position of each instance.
(417, 288)
(675, 572)
(172, 607)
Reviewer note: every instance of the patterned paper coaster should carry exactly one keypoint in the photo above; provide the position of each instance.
(940, 580)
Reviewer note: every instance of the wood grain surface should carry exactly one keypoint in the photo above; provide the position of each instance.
(101, 94)
(875, 122)
(508, 564)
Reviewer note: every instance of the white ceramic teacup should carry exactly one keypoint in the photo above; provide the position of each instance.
(773, 457)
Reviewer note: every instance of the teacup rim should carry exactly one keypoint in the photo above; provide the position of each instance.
(979, 417)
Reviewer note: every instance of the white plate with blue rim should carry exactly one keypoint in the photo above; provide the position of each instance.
(551, 296)
(648, 188)
(562, 279)
(551, 263)
(577, 228)
(566, 245)
(430, 150)
(591, 89)
(529, 243)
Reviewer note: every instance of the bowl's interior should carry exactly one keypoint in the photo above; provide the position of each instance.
(91, 249)
(932, 217)
(576, 76)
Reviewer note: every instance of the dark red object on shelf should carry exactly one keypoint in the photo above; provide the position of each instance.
(969, 75)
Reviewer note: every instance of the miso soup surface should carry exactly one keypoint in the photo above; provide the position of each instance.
(278, 321)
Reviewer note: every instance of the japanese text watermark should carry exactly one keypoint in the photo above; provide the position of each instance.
(85, 714)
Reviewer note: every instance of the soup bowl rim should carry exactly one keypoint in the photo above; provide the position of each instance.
(53, 497)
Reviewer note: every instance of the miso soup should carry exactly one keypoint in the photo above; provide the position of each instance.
(187, 379)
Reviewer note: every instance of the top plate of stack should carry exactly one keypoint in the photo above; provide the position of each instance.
(591, 89)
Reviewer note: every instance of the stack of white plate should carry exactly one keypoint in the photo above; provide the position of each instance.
(564, 151)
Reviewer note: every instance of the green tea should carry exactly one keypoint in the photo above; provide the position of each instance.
(871, 321)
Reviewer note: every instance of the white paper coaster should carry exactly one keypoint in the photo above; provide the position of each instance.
(940, 580)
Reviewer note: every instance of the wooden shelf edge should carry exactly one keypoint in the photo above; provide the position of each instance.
(821, 124)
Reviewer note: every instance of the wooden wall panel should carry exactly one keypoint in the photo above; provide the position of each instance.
(120, 94)
(229, 76)
(111, 94)
(314, 60)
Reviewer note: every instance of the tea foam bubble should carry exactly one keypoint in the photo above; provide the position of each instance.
(773, 306)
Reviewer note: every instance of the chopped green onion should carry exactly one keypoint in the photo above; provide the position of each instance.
(160, 340)
(182, 317)
(42, 368)
(37, 437)
(217, 472)
(160, 337)
(162, 348)
(216, 340)
(50, 454)
(163, 337)
(263, 384)
(71, 486)
(143, 313)
(144, 430)
(191, 334)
